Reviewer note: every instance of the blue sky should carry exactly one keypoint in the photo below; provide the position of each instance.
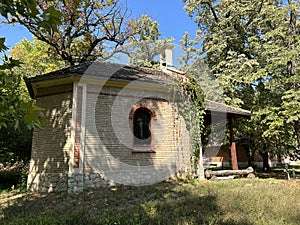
(172, 18)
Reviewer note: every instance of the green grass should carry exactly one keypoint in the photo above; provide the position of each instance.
(240, 201)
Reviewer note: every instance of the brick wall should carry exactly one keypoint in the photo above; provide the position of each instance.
(220, 155)
(108, 157)
(109, 140)
(51, 145)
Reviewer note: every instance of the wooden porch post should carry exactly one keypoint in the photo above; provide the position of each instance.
(200, 169)
(233, 145)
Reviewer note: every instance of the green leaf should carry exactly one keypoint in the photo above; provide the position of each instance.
(51, 19)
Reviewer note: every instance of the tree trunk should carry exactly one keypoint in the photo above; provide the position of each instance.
(292, 63)
(210, 173)
(265, 157)
(249, 156)
(297, 131)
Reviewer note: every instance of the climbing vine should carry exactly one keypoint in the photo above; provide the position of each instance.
(191, 107)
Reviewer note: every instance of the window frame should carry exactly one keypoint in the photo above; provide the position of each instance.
(142, 148)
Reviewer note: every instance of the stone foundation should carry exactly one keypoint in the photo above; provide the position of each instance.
(96, 180)
(63, 182)
(48, 182)
(77, 182)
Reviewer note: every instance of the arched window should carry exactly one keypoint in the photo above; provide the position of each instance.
(142, 127)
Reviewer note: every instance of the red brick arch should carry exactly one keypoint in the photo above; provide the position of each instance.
(140, 106)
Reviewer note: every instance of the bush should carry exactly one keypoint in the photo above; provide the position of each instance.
(13, 176)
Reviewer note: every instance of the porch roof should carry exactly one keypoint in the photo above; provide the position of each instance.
(218, 110)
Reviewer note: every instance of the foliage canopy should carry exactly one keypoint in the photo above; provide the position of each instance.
(252, 47)
(77, 30)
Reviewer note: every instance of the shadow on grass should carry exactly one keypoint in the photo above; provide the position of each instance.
(279, 173)
(165, 203)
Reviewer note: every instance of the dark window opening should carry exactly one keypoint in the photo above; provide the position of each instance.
(142, 127)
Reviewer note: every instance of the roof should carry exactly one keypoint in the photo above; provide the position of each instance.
(123, 73)
(213, 106)
(98, 69)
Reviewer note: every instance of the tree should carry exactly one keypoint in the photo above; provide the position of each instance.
(280, 57)
(194, 65)
(77, 30)
(145, 46)
(34, 58)
(18, 114)
(14, 108)
(226, 30)
(252, 47)
(37, 57)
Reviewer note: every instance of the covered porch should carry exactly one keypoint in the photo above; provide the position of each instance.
(221, 114)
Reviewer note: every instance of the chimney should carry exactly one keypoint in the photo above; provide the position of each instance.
(166, 56)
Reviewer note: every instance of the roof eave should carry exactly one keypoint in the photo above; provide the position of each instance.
(29, 87)
(34, 83)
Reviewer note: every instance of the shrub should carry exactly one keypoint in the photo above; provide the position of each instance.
(13, 176)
